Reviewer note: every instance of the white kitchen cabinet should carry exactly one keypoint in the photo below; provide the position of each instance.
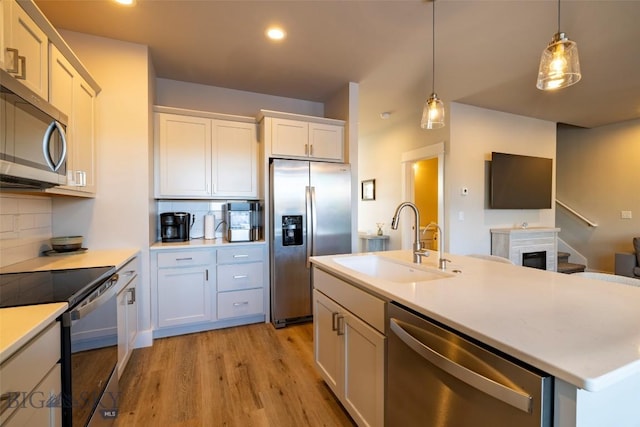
(24, 48)
(71, 94)
(184, 155)
(309, 139)
(240, 276)
(127, 311)
(235, 159)
(31, 382)
(348, 351)
(185, 286)
(201, 155)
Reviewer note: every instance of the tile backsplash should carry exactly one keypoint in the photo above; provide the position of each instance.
(197, 209)
(25, 227)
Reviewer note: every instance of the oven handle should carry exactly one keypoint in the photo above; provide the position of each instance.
(83, 311)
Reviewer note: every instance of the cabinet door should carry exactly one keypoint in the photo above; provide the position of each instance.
(234, 146)
(184, 156)
(328, 344)
(73, 96)
(326, 141)
(132, 314)
(184, 296)
(31, 61)
(40, 409)
(363, 372)
(84, 147)
(289, 138)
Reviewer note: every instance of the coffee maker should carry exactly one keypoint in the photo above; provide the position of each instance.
(175, 226)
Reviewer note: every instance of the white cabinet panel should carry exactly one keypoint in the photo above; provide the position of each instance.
(235, 159)
(292, 138)
(25, 49)
(184, 296)
(240, 303)
(184, 155)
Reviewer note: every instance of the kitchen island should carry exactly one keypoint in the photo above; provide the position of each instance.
(583, 332)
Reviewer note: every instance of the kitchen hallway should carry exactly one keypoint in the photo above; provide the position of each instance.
(251, 375)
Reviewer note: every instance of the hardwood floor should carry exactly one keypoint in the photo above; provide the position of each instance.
(252, 375)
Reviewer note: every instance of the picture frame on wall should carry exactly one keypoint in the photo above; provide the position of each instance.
(368, 188)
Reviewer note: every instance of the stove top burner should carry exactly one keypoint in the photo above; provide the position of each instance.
(43, 287)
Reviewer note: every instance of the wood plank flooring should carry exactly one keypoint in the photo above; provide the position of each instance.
(252, 375)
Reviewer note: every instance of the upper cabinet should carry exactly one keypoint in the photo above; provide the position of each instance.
(295, 136)
(36, 55)
(72, 95)
(24, 48)
(205, 155)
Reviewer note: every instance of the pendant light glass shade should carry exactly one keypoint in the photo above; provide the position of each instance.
(432, 113)
(559, 65)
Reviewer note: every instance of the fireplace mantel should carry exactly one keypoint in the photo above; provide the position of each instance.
(512, 243)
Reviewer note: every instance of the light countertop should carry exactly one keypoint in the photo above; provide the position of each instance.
(200, 243)
(91, 258)
(18, 325)
(583, 331)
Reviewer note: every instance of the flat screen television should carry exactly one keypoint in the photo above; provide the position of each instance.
(520, 182)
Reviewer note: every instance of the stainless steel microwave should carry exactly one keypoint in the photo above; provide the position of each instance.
(33, 146)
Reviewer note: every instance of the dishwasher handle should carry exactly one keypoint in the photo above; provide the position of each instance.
(515, 398)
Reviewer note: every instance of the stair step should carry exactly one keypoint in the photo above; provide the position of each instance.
(563, 256)
(569, 267)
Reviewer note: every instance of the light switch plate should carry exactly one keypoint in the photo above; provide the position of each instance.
(626, 214)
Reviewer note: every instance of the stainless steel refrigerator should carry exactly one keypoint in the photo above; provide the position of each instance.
(310, 215)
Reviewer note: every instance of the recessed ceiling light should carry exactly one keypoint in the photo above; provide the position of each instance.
(275, 33)
(126, 2)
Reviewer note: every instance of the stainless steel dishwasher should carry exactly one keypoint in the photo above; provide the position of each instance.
(437, 378)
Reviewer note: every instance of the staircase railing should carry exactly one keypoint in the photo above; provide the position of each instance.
(577, 214)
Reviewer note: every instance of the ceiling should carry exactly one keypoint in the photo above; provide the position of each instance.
(487, 51)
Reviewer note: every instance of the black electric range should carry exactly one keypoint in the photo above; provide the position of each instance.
(43, 287)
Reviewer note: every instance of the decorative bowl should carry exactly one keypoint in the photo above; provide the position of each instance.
(66, 243)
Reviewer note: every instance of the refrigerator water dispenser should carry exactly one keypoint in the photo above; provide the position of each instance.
(292, 230)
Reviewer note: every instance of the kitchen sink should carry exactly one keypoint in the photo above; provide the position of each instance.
(390, 270)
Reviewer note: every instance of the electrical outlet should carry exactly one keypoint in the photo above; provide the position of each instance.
(464, 191)
(626, 214)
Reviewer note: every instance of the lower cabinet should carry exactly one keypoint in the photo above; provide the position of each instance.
(30, 385)
(127, 312)
(208, 288)
(184, 287)
(349, 353)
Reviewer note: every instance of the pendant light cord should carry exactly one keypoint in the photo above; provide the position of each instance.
(558, 16)
(433, 49)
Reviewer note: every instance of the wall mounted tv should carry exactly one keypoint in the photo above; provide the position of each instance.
(520, 182)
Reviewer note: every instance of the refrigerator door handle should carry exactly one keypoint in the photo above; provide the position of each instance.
(309, 208)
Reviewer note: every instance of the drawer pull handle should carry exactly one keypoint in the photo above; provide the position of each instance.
(240, 276)
(129, 272)
(185, 259)
(132, 294)
(238, 304)
(241, 256)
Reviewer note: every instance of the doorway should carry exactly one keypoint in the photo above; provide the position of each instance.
(423, 185)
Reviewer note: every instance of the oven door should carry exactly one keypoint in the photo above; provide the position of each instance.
(89, 358)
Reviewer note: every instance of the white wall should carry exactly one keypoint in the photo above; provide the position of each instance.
(475, 133)
(599, 176)
(194, 96)
(120, 214)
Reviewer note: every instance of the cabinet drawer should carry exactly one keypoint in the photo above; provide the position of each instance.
(240, 254)
(232, 277)
(240, 303)
(183, 258)
(25, 369)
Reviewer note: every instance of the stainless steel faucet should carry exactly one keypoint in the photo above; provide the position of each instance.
(442, 261)
(418, 252)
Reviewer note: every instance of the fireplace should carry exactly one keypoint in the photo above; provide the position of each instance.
(535, 247)
(535, 259)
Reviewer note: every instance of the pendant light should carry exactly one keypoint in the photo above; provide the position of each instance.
(559, 65)
(433, 110)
